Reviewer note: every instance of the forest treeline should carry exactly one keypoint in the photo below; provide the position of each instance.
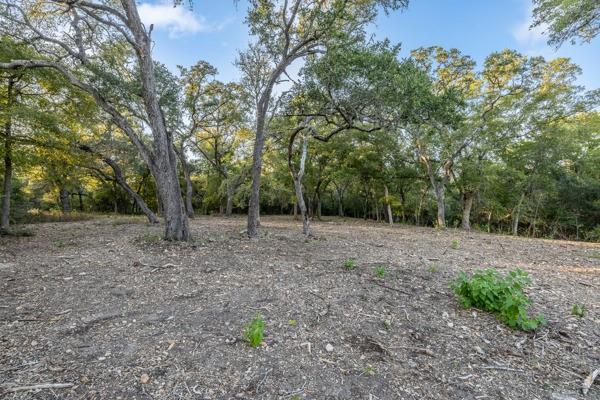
(91, 123)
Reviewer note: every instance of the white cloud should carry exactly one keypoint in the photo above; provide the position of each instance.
(177, 20)
(527, 36)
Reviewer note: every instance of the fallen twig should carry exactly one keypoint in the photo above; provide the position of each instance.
(39, 387)
(421, 350)
(20, 366)
(88, 323)
(589, 381)
(383, 285)
(502, 368)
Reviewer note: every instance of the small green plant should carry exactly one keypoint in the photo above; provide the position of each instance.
(255, 331)
(579, 310)
(349, 264)
(380, 271)
(387, 324)
(432, 268)
(368, 370)
(488, 291)
(149, 238)
(292, 322)
(59, 243)
(455, 244)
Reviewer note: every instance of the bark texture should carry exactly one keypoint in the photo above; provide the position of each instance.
(467, 206)
(8, 169)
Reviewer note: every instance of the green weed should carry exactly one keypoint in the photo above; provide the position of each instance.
(579, 310)
(455, 244)
(349, 264)
(380, 271)
(255, 331)
(387, 324)
(368, 370)
(488, 291)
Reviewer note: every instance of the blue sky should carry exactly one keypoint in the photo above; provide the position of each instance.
(214, 31)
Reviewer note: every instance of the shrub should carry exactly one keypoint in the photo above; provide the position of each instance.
(349, 264)
(593, 235)
(255, 331)
(488, 291)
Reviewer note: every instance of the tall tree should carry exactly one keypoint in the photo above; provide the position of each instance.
(286, 31)
(74, 38)
(217, 125)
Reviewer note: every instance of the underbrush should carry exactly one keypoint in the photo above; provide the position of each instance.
(17, 231)
(36, 216)
(503, 296)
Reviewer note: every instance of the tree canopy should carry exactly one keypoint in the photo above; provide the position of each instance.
(91, 122)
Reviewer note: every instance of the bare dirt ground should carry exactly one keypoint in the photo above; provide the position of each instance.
(100, 303)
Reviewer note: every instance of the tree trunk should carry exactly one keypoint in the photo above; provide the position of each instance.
(115, 198)
(302, 207)
(319, 208)
(420, 208)
(65, 200)
(254, 204)
(189, 187)
(517, 215)
(80, 195)
(136, 197)
(388, 206)
(163, 163)
(340, 198)
(441, 206)
(468, 204)
(8, 169)
(297, 177)
(120, 180)
(229, 189)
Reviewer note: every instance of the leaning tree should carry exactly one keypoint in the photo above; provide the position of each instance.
(103, 48)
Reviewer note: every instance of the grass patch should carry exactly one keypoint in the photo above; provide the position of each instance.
(149, 238)
(17, 232)
(37, 216)
(349, 264)
(503, 296)
(380, 271)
